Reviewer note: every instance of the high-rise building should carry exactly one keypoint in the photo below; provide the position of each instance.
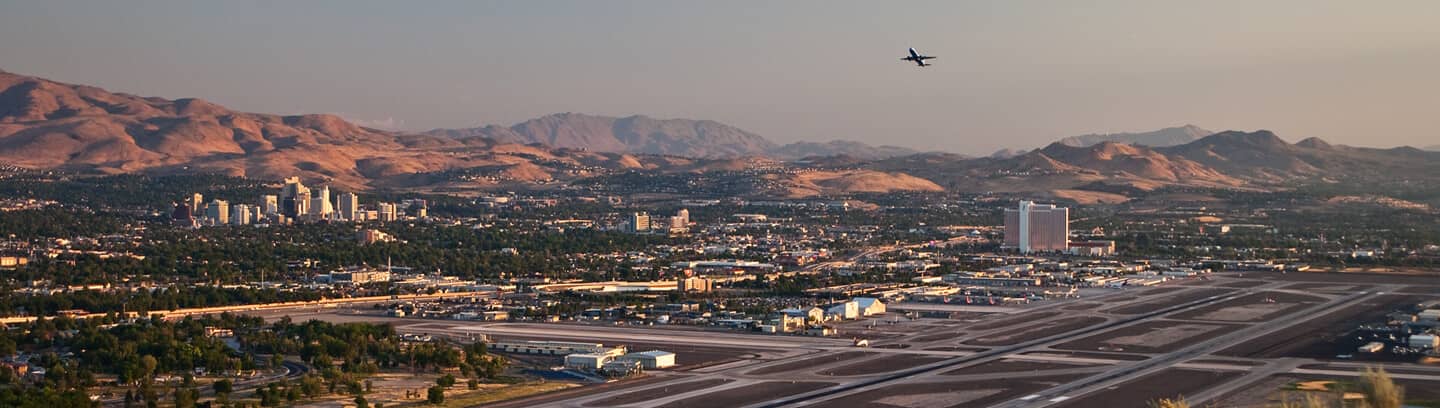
(1037, 228)
(218, 212)
(292, 205)
(349, 206)
(320, 203)
(682, 217)
(241, 214)
(386, 212)
(694, 284)
(302, 203)
(638, 222)
(269, 205)
(197, 203)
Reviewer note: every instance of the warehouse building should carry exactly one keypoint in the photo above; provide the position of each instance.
(548, 347)
(870, 306)
(848, 310)
(653, 359)
(587, 361)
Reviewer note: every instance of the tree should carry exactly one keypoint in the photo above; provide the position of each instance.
(360, 402)
(436, 395)
(185, 397)
(1379, 390)
(223, 386)
(446, 381)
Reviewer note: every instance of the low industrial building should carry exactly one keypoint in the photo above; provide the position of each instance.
(654, 359)
(587, 361)
(547, 347)
(848, 310)
(870, 306)
(812, 314)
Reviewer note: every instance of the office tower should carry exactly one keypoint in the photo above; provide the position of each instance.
(218, 212)
(349, 206)
(386, 212)
(1037, 228)
(682, 218)
(269, 205)
(639, 222)
(320, 204)
(197, 203)
(292, 203)
(241, 214)
(302, 203)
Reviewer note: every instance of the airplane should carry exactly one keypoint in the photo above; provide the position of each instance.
(917, 58)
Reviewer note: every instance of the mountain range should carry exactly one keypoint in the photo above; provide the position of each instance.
(676, 137)
(53, 125)
(1170, 136)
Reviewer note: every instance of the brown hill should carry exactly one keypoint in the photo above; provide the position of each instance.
(1171, 136)
(1135, 161)
(1257, 155)
(47, 124)
(632, 134)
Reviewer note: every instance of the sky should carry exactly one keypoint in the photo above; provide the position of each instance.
(1010, 74)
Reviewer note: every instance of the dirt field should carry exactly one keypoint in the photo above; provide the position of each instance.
(804, 362)
(1169, 383)
(1255, 307)
(1316, 337)
(747, 395)
(947, 394)
(1168, 300)
(1036, 331)
(1008, 366)
(654, 393)
(894, 362)
(1017, 319)
(1148, 337)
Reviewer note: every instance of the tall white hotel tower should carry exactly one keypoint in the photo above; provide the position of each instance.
(1037, 228)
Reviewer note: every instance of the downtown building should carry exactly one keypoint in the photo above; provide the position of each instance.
(1037, 228)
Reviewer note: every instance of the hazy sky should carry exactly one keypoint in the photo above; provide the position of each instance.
(1011, 73)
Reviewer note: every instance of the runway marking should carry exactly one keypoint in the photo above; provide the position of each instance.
(1059, 398)
(1029, 397)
